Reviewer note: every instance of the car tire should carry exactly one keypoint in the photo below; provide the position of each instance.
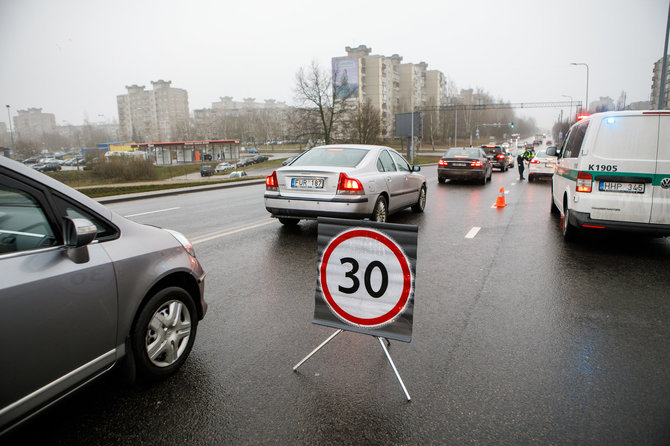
(530, 178)
(483, 180)
(166, 326)
(554, 208)
(420, 205)
(569, 231)
(288, 221)
(380, 211)
(441, 180)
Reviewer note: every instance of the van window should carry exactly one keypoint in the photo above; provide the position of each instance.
(573, 144)
(627, 137)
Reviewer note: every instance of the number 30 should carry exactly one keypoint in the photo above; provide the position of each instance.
(356, 283)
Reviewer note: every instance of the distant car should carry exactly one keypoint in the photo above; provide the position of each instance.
(207, 171)
(541, 165)
(499, 156)
(346, 181)
(260, 158)
(81, 295)
(238, 174)
(252, 150)
(244, 162)
(222, 167)
(464, 163)
(48, 167)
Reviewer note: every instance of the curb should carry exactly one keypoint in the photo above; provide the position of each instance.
(177, 191)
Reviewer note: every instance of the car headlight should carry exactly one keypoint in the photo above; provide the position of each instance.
(181, 238)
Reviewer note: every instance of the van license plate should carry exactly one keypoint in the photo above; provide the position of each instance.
(635, 188)
(307, 183)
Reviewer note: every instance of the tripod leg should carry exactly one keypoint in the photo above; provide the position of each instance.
(397, 375)
(317, 349)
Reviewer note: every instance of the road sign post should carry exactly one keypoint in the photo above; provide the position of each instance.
(365, 281)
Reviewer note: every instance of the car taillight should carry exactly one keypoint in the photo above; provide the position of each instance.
(584, 180)
(442, 163)
(476, 164)
(533, 161)
(271, 182)
(500, 157)
(347, 185)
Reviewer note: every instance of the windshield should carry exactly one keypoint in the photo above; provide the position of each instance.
(331, 157)
(459, 153)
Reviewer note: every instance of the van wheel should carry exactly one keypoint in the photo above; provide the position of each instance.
(570, 232)
(164, 332)
(554, 208)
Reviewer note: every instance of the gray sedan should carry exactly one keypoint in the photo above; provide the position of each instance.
(346, 181)
(84, 289)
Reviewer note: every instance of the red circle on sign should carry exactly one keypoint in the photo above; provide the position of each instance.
(402, 260)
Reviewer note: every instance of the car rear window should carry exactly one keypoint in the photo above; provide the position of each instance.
(455, 153)
(491, 150)
(627, 137)
(331, 157)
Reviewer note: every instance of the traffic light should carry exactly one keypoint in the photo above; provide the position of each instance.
(511, 125)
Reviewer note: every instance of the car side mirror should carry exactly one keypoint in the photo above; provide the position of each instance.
(77, 234)
(416, 168)
(551, 151)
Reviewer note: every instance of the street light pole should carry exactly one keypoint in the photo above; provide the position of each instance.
(11, 134)
(587, 83)
(570, 97)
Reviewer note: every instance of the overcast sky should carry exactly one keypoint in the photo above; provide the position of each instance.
(73, 57)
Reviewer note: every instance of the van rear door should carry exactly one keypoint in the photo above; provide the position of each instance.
(623, 165)
(660, 211)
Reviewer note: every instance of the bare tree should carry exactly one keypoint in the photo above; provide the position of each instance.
(365, 123)
(320, 101)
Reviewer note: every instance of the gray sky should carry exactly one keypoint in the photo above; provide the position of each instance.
(73, 57)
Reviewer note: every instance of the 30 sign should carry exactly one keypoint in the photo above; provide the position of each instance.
(366, 277)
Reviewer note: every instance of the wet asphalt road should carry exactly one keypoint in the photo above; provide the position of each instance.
(519, 338)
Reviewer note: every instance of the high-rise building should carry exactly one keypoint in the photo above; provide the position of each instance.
(391, 86)
(33, 125)
(656, 83)
(160, 114)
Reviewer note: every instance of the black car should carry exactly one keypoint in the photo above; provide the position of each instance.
(206, 171)
(464, 163)
(260, 158)
(48, 167)
(499, 156)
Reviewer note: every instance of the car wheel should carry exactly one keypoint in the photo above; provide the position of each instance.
(483, 180)
(379, 213)
(288, 221)
(570, 232)
(164, 332)
(421, 203)
(441, 180)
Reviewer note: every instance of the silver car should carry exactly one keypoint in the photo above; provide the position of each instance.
(346, 181)
(84, 289)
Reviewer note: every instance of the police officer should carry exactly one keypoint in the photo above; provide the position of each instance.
(526, 155)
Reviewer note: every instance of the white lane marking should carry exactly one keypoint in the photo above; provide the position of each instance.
(513, 184)
(214, 235)
(473, 232)
(150, 212)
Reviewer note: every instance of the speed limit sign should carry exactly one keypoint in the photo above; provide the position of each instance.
(366, 277)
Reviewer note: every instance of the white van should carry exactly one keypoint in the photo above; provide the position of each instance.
(613, 172)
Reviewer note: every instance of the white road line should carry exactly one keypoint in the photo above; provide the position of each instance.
(214, 235)
(473, 232)
(150, 212)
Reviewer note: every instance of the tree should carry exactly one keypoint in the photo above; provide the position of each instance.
(322, 106)
(365, 123)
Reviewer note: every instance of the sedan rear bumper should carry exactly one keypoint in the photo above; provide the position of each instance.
(343, 206)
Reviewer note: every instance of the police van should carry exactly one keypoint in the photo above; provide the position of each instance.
(613, 172)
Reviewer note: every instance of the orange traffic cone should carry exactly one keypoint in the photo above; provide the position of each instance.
(500, 202)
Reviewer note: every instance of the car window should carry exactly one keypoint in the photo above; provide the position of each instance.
(573, 143)
(23, 223)
(400, 162)
(331, 157)
(469, 153)
(385, 162)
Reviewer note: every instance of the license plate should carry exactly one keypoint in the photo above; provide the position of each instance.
(459, 164)
(549, 164)
(307, 183)
(609, 186)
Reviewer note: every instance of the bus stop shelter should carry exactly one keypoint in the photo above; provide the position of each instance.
(180, 152)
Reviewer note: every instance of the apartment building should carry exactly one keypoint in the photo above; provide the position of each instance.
(33, 125)
(390, 85)
(656, 83)
(160, 114)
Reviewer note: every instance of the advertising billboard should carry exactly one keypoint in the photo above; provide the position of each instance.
(345, 77)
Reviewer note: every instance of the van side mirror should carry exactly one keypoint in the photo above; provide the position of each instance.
(77, 234)
(551, 151)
